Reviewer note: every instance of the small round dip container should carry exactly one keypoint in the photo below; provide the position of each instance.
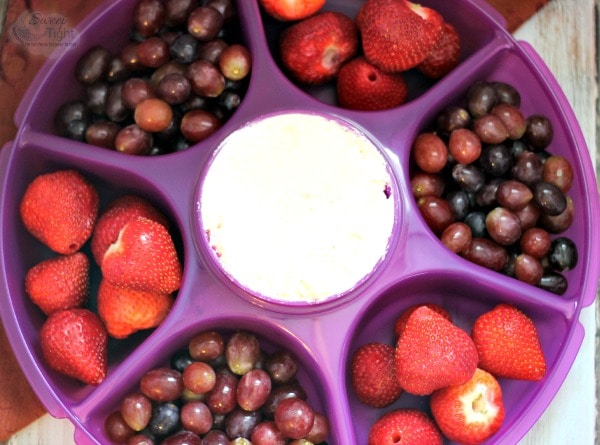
(297, 207)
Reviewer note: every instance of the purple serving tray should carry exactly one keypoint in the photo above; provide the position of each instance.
(416, 269)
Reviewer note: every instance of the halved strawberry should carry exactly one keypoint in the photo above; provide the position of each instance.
(143, 258)
(288, 10)
(363, 86)
(405, 427)
(61, 282)
(119, 212)
(508, 344)
(74, 343)
(445, 56)
(396, 34)
(469, 413)
(60, 210)
(373, 375)
(125, 311)
(433, 353)
(314, 50)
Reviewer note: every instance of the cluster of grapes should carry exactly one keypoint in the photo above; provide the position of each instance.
(220, 391)
(180, 77)
(487, 185)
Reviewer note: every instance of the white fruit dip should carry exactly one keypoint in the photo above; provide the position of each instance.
(297, 207)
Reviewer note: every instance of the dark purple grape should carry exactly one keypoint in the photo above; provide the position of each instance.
(503, 226)
(294, 418)
(69, 112)
(486, 197)
(165, 419)
(76, 130)
(174, 88)
(481, 98)
(554, 282)
(222, 398)
(460, 201)
(282, 366)
(527, 168)
(132, 140)
(469, 177)
(476, 221)
(162, 384)
(196, 417)
(96, 97)
(184, 48)
(495, 160)
(212, 50)
(563, 254)
(549, 198)
(320, 429)
(539, 132)
(116, 71)
(513, 195)
(115, 108)
(559, 223)
(225, 7)
(486, 253)
(102, 134)
(205, 23)
(452, 118)
(181, 360)
(229, 101)
(507, 94)
(253, 389)
(528, 269)
(177, 11)
(93, 65)
(206, 78)
(148, 17)
(240, 423)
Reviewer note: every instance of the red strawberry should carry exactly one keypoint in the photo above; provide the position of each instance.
(373, 374)
(508, 344)
(62, 282)
(405, 427)
(125, 311)
(469, 413)
(401, 321)
(60, 210)
(445, 56)
(286, 10)
(396, 34)
(433, 353)
(143, 258)
(363, 86)
(117, 214)
(315, 49)
(73, 342)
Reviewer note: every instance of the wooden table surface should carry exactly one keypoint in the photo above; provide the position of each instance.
(565, 37)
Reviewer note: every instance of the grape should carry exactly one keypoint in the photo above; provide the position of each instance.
(184, 49)
(76, 130)
(96, 97)
(436, 212)
(140, 439)
(242, 352)
(93, 65)
(294, 418)
(197, 125)
(136, 410)
(464, 145)
(513, 195)
(182, 438)
(320, 429)
(181, 360)
(211, 50)
(512, 119)
(153, 52)
(563, 254)
(476, 222)
(102, 134)
(557, 171)
(507, 94)
(430, 152)
(528, 269)
(282, 366)
(206, 78)
(115, 108)
(69, 112)
(453, 118)
(425, 184)
(253, 389)
(225, 7)
(490, 129)
(153, 115)
(481, 98)
(207, 346)
(133, 140)
(116, 71)
(460, 202)
(174, 88)
(495, 160)
(486, 197)
(528, 215)
(469, 177)
(559, 223)
(162, 384)
(116, 428)
(235, 62)
(240, 423)
(549, 198)
(205, 23)
(527, 168)
(486, 253)
(535, 242)
(215, 437)
(165, 419)
(196, 417)
(266, 433)
(457, 237)
(136, 90)
(177, 11)
(199, 377)
(222, 398)
(503, 226)
(539, 132)
(553, 282)
(148, 17)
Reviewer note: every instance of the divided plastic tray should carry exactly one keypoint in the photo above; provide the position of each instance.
(417, 268)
